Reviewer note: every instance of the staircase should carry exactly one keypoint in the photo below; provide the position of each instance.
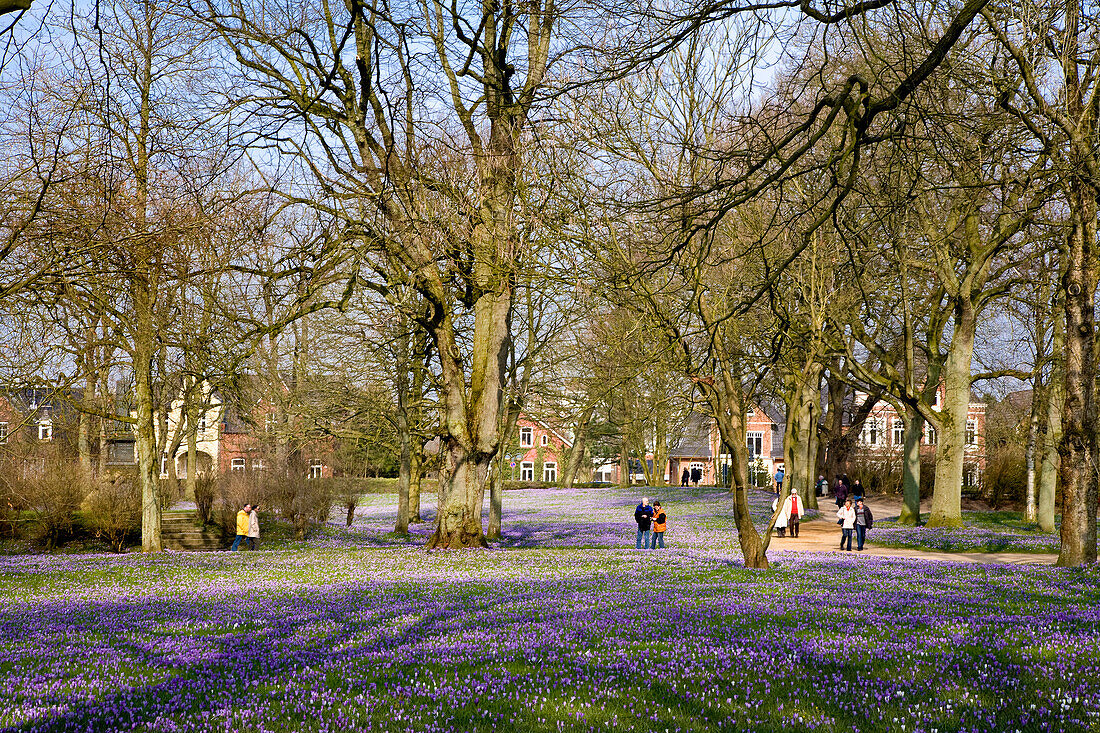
(179, 530)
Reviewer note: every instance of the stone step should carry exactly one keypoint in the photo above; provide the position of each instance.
(181, 531)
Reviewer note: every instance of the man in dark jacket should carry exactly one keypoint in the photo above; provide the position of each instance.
(643, 515)
(864, 522)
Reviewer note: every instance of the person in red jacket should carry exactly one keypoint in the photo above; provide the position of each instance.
(796, 513)
(659, 524)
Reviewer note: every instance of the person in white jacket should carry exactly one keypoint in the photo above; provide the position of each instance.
(781, 520)
(847, 516)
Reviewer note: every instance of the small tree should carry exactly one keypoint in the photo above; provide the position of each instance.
(113, 509)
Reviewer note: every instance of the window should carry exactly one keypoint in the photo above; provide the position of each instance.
(544, 440)
(237, 464)
(550, 472)
(930, 435)
(45, 429)
(971, 432)
(526, 437)
(970, 477)
(755, 442)
(202, 425)
(527, 471)
(899, 432)
(34, 467)
(257, 464)
(271, 423)
(316, 467)
(121, 453)
(3, 432)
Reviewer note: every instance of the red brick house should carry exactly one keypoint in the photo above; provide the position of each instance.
(541, 451)
(883, 434)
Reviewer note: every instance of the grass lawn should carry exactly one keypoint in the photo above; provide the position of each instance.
(547, 631)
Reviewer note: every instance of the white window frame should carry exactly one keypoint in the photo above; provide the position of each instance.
(527, 471)
(316, 468)
(754, 441)
(971, 434)
(526, 437)
(271, 423)
(236, 464)
(258, 464)
(899, 431)
(3, 432)
(550, 472)
(930, 437)
(544, 440)
(45, 429)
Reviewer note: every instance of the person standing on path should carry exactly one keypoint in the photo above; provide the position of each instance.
(794, 513)
(864, 522)
(643, 515)
(696, 475)
(685, 477)
(779, 480)
(781, 517)
(847, 516)
(253, 528)
(659, 524)
(242, 526)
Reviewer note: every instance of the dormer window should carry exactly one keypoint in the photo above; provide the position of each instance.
(526, 437)
(45, 429)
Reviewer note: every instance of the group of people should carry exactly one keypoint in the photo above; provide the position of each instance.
(791, 515)
(852, 514)
(248, 527)
(652, 522)
(694, 475)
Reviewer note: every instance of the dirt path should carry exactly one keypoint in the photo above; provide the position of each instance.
(823, 535)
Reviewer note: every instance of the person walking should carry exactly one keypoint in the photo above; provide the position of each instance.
(847, 516)
(857, 490)
(696, 475)
(685, 477)
(864, 522)
(841, 492)
(781, 517)
(643, 515)
(794, 513)
(660, 521)
(822, 486)
(242, 526)
(779, 480)
(253, 528)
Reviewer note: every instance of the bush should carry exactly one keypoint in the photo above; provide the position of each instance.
(231, 493)
(299, 500)
(206, 487)
(113, 510)
(52, 500)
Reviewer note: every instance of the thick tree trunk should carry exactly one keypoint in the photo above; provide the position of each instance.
(800, 435)
(1078, 446)
(1051, 435)
(910, 473)
(947, 491)
(578, 452)
(144, 435)
(462, 491)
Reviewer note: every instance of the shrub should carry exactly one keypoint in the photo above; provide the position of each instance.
(52, 499)
(300, 500)
(205, 490)
(113, 510)
(231, 493)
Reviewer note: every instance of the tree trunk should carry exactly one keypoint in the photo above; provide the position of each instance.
(578, 451)
(1031, 502)
(496, 503)
(947, 491)
(910, 474)
(462, 491)
(416, 463)
(404, 481)
(1078, 447)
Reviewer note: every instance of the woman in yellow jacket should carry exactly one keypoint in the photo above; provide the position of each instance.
(242, 525)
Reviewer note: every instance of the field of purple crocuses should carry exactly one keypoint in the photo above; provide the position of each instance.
(549, 631)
